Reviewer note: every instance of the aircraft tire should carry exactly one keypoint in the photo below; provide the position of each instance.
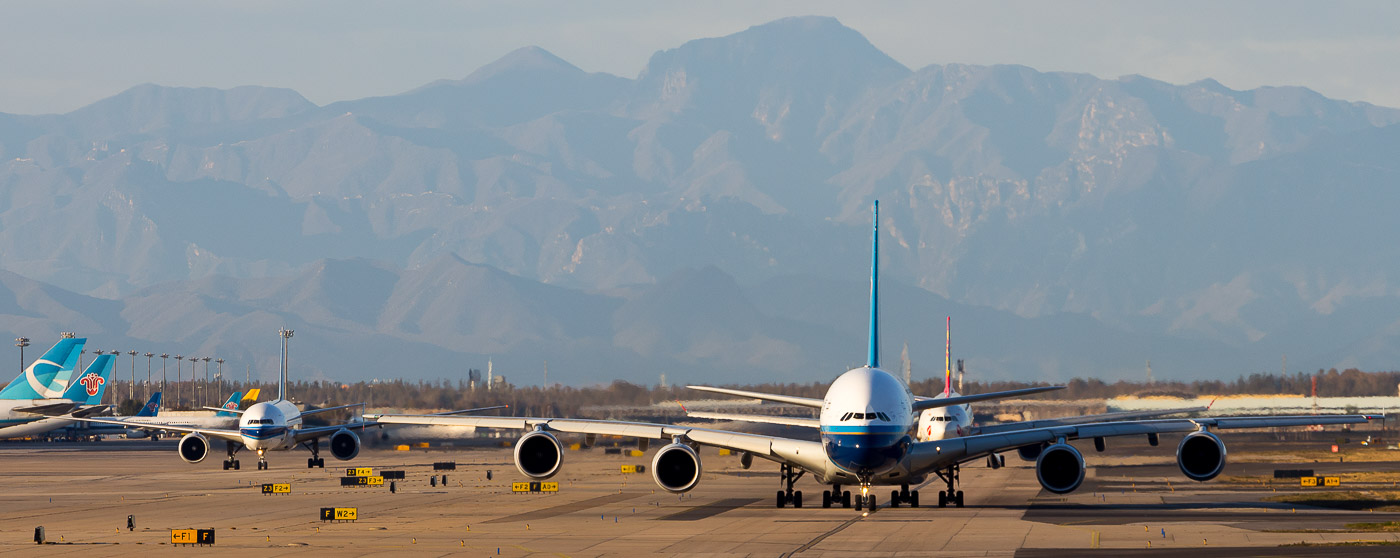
(826, 499)
(235, 464)
(860, 503)
(797, 499)
(846, 498)
(960, 498)
(914, 499)
(782, 499)
(894, 498)
(942, 499)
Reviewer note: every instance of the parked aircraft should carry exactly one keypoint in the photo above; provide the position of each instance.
(868, 422)
(83, 396)
(226, 419)
(37, 392)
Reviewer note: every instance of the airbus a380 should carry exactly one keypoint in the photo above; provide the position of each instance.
(869, 423)
(267, 426)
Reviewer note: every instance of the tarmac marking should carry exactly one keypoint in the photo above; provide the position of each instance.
(818, 540)
(710, 510)
(566, 508)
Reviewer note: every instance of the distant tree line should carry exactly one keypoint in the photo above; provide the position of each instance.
(561, 400)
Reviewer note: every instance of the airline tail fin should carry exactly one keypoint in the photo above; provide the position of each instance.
(947, 355)
(232, 403)
(54, 367)
(152, 407)
(874, 359)
(87, 387)
(250, 398)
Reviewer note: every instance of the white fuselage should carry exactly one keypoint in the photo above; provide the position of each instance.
(943, 423)
(270, 425)
(866, 419)
(16, 424)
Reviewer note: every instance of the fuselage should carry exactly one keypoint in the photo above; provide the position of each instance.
(866, 420)
(270, 425)
(942, 423)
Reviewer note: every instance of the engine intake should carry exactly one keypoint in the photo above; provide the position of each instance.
(1060, 468)
(538, 455)
(676, 468)
(1201, 456)
(194, 448)
(345, 445)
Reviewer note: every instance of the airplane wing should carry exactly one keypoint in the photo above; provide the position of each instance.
(1103, 417)
(806, 454)
(231, 435)
(225, 410)
(315, 432)
(942, 453)
(788, 421)
(465, 411)
(921, 403)
(315, 411)
(789, 399)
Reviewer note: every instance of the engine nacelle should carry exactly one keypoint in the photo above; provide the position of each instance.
(1201, 456)
(1031, 452)
(345, 445)
(676, 468)
(538, 455)
(1060, 468)
(194, 448)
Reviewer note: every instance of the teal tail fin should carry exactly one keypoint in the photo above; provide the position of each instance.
(87, 388)
(152, 407)
(232, 403)
(55, 366)
(874, 360)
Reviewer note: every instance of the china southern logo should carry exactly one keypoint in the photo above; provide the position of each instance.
(151, 407)
(230, 405)
(92, 382)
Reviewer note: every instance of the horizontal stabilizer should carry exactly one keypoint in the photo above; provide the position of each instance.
(789, 399)
(50, 410)
(91, 410)
(223, 410)
(766, 419)
(934, 403)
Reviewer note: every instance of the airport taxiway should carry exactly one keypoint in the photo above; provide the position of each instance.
(82, 493)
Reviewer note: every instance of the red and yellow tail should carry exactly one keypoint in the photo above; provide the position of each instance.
(947, 351)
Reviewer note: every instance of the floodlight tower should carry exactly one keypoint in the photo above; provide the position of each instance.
(148, 373)
(219, 375)
(179, 376)
(131, 390)
(206, 380)
(164, 358)
(21, 342)
(282, 381)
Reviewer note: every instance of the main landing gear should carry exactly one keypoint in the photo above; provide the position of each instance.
(262, 459)
(788, 475)
(233, 448)
(315, 460)
(836, 497)
(950, 496)
(904, 495)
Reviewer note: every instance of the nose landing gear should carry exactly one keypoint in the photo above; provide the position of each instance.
(262, 459)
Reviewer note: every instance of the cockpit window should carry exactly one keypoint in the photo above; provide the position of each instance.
(884, 417)
(846, 417)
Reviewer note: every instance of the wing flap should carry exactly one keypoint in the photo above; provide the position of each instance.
(787, 421)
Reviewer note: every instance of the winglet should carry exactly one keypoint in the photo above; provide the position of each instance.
(874, 359)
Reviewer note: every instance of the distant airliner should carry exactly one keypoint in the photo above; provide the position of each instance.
(870, 435)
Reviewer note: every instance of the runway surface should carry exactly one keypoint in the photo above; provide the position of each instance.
(82, 498)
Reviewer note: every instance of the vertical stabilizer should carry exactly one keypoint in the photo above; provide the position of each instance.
(47, 377)
(152, 407)
(87, 388)
(232, 403)
(947, 354)
(874, 360)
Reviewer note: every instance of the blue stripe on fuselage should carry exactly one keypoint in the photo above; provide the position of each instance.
(857, 449)
(263, 432)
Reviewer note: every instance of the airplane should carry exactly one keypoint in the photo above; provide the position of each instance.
(267, 426)
(37, 392)
(84, 394)
(77, 430)
(227, 418)
(868, 421)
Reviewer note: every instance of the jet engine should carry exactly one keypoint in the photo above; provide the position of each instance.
(538, 455)
(1060, 468)
(345, 445)
(1201, 456)
(194, 448)
(676, 468)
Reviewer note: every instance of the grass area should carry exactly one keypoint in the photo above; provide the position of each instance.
(1386, 527)
(1377, 500)
(1361, 454)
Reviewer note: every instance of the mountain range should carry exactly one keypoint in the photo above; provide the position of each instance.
(709, 220)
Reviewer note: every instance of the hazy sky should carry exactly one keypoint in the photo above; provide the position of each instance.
(56, 56)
